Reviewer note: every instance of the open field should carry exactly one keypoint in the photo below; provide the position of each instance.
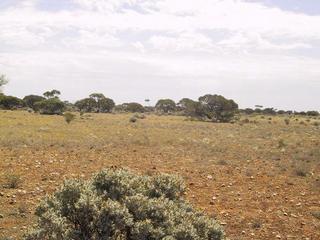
(261, 179)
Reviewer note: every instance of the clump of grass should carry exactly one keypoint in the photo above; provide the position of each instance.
(222, 162)
(281, 143)
(316, 214)
(256, 224)
(287, 121)
(22, 210)
(13, 181)
(302, 170)
(317, 124)
(69, 117)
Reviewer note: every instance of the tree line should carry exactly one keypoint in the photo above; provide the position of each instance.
(210, 107)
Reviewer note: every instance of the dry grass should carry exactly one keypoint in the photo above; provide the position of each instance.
(236, 172)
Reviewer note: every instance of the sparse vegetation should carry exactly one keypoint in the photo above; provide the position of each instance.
(302, 170)
(226, 166)
(12, 181)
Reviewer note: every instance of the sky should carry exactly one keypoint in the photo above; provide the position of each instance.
(257, 52)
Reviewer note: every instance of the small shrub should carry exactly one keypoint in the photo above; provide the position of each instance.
(256, 224)
(281, 143)
(301, 170)
(22, 210)
(133, 119)
(139, 116)
(317, 124)
(246, 120)
(287, 121)
(316, 214)
(222, 162)
(69, 117)
(12, 181)
(117, 204)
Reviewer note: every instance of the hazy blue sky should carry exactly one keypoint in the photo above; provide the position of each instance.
(263, 52)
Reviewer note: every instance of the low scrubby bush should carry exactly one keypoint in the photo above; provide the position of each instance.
(133, 119)
(69, 117)
(287, 121)
(12, 181)
(117, 204)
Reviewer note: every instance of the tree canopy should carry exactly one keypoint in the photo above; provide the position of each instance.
(96, 102)
(166, 105)
(52, 94)
(30, 100)
(218, 108)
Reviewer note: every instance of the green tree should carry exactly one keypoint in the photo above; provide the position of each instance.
(97, 102)
(166, 105)
(30, 100)
(133, 107)
(313, 113)
(248, 111)
(50, 106)
(217, 108)
(10, 102)
(191, 108)
(52, 94)
(105, 105)
(86, 105)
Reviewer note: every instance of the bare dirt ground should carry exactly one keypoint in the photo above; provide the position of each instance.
(259, 180)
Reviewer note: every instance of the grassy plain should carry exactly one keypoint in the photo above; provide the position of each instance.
(260, 179)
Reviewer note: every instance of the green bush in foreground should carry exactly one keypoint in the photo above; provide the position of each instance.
(117, 204)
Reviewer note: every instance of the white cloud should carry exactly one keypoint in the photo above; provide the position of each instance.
(208, 42)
